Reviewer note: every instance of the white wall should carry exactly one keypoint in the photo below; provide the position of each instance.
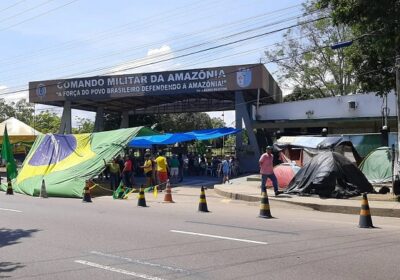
(367, 105)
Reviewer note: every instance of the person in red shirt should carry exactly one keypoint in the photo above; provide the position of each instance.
(267, 171)
(127, 172)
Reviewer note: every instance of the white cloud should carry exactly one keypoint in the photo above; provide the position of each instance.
(149, 63)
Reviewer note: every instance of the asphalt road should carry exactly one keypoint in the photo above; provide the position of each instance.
(60, 238)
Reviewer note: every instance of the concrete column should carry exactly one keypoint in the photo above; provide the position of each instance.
(99, 121)
(66, 124)
(125, 120)
(250, 154)
(238, 125)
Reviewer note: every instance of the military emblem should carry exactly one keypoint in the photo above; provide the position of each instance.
(41, 90)
(243, 77)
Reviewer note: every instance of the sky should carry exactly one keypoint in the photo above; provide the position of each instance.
(52, 39)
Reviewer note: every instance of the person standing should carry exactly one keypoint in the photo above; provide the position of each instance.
(127, 172)
(267, 171)
(114, 170)
(162, 170)
(174, 164)
(225, 170)
(148, 169)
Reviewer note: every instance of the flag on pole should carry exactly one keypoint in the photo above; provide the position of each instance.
(8, 156)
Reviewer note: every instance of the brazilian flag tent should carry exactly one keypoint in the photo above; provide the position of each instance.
(66, 161)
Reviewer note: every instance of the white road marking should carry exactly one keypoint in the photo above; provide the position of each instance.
(219, 237)
(11, 210)
(122, 271)
(138, 261)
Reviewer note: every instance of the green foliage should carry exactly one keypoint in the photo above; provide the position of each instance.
(200, 147)
(303, 94)
(376, 24)
(84, 126)
(305, 59)
(20, 110)
(112, 121)
(47, 122)
(217, 123)
(184, 122)
(24, 111)
(6, 110)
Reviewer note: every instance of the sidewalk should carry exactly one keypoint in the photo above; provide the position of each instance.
(380, 205)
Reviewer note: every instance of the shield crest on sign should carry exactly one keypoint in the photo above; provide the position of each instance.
(243, 77)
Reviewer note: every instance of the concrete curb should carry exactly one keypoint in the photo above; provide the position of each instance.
(382, 212)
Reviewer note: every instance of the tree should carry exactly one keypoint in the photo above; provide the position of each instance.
(183, 122)
(85, 125)
(376, 24)
(47, 122)
(112, 121)
(217, 123)
(299, 93)
(24, 111)
(305, 58)
(6, 110)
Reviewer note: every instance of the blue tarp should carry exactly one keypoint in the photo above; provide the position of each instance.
(172, 138)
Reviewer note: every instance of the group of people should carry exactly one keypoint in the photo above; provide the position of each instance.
(157, 168)
(119, 169)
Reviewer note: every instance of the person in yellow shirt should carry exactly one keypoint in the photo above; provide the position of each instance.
(115, 173)
(148, 169)
(162, 169)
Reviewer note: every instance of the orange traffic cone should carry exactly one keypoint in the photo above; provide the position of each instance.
(142, 200)
(265, 212)
(86, 192)
(168, 194)
(9, 188)
(203, 202)
(365, 215)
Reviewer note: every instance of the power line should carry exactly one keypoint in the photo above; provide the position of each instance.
(194, 46)
(150, 21)
(26, 11)
(179, 50)
(39, 15)
(199, 51)
(12, 6)
(207, 30)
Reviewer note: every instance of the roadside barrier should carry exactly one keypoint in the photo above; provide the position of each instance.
(365, 215)
(265, 211)
(43, 192)
(9, 188)
(203, 202)
(142, 199)
(168, 194)
(86, 192)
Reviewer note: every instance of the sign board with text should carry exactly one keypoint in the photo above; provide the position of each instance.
(218, 79)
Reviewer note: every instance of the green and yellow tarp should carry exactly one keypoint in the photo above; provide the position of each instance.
(66, 161)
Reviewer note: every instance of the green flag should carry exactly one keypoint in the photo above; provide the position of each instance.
(7, 155)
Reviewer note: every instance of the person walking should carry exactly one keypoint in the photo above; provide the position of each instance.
(267, 171)
(225, 170)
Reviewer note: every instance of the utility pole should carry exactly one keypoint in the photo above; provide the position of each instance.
(397, 68)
